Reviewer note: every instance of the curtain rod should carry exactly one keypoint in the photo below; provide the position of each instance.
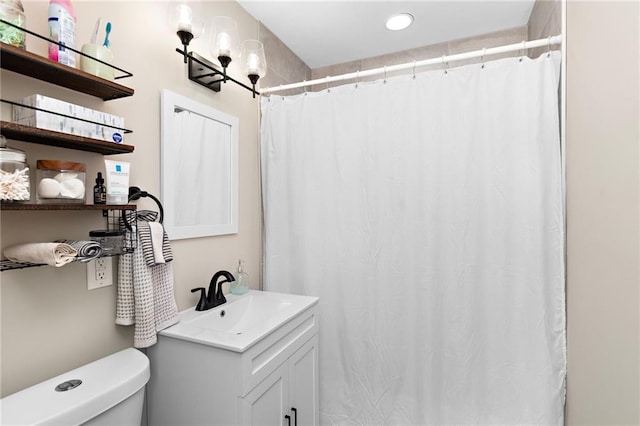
(553, 40)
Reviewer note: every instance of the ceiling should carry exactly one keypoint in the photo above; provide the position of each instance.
(326, 33)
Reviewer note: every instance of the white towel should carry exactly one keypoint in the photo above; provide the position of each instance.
(157, 239)
(54, 254)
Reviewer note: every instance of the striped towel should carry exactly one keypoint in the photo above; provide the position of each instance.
(151, 256)
(87, 250)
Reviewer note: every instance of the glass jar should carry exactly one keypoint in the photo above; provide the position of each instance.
(60, 181)
(13, 12)
(14, 173)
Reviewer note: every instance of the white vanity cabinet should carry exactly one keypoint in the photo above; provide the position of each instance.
(193, 383)
(290, 390)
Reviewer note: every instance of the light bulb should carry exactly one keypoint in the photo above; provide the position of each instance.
(253, 58)
(184, 16)
(223, 41)
(253, 63)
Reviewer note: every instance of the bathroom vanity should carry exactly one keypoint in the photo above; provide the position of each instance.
(251, 361)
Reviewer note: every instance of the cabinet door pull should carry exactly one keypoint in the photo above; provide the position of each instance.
(295, 416)
(288, 417)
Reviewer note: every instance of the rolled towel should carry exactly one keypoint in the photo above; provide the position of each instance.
(54, 254)
(87, 250)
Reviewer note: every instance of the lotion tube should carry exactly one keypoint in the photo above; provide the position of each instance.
(117, 181)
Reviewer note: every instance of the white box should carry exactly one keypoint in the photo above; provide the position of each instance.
(49, 121)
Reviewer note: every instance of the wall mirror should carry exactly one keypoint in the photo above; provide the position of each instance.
(199, 168)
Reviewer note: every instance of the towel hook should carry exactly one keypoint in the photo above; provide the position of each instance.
(136, 193)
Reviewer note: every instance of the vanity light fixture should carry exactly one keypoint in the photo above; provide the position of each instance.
(399, 21)
(224, 45)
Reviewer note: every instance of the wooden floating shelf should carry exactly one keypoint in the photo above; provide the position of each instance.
(65, 206)
(19, 132)
(41, 68)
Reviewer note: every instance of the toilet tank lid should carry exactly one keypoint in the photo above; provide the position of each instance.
(105, 383)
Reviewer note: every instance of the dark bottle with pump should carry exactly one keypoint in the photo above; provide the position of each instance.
(99, 191)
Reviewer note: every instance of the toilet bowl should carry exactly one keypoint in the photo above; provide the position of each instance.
(109, 391)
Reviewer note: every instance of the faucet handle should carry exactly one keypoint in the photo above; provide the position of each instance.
(202, 303)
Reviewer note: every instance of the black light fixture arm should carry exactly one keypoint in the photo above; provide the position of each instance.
(185, 38)
(190, 57)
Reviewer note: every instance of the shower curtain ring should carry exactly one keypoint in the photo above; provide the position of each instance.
(444, 64)
(549, 47)
(414, 69)
(484, 50)
(304, 82)
(326, 80)
(357, 78)
(524, 50)
(385, 75)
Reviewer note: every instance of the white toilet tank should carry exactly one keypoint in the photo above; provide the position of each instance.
(109, 391)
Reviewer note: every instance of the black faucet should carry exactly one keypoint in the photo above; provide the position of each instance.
(215, 296)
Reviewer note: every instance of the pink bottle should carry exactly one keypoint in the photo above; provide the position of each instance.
(62, 28)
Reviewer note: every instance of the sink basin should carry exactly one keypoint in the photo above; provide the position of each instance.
(241, 322)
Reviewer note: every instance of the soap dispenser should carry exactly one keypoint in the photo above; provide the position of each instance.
(241, 284)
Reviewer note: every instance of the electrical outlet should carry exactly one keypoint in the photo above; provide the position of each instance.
(101, 263)
(99, 273)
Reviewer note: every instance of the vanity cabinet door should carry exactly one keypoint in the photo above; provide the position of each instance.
(267, 403)
(289, 395)
(303, 384)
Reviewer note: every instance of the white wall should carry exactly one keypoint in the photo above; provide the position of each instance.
(50, 323)
(603, 233)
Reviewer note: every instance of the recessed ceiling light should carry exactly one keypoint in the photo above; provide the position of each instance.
(399, 21)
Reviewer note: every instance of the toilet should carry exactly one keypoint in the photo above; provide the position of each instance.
(109, 391)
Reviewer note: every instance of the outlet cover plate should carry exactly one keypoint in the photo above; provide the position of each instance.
(99, 273)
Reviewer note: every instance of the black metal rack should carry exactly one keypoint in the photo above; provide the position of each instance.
(114, 223)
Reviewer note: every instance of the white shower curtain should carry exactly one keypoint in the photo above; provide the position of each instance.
(426, 213)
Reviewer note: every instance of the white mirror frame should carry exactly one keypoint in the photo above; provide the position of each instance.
(175, 153)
